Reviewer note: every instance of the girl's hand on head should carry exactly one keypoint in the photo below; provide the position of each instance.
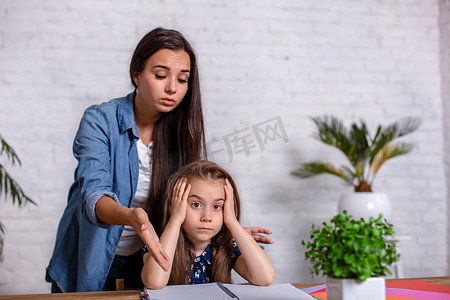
(229, 215)
(178, 203)
(140, 222)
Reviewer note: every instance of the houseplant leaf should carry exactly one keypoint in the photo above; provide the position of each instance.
(364, 152)
(9, 188)
(349, 248)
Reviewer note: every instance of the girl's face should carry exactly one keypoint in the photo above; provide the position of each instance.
(164, 81)
(204, 214)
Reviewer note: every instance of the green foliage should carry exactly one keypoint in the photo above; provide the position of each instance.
(9, 188)
(365, 153)
(349, 248)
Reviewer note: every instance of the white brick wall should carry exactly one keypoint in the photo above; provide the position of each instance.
(376, 60)
(444, 26)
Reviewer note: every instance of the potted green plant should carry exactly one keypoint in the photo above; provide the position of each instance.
(365, 153)
(9, 188)
(353, 255)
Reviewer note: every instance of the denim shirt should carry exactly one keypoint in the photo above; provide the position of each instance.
(108, 165)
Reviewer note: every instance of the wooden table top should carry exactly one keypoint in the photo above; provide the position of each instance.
(134, 294)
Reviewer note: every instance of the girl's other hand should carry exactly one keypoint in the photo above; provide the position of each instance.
(229, 215)
(180, 194)
(148, 235)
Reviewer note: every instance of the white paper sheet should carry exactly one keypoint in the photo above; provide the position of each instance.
(285, 291)
(213, 291)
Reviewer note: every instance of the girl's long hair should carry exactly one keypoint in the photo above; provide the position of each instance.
(179, 136)
(221, 243)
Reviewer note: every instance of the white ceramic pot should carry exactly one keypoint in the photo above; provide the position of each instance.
(372, 288)
(365, 205)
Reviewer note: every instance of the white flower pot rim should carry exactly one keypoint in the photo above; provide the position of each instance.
(365, 205)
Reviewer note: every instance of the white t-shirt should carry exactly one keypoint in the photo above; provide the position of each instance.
(130, 242)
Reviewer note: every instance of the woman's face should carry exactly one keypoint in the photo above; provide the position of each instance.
(164, 81)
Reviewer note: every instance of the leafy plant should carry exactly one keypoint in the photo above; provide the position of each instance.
(9, 187)
(365, 153)
(350, 248)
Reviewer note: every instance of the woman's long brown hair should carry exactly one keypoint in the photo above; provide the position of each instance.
(221, 244)
(179, 136)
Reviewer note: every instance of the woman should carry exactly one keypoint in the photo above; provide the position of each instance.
(127, 149)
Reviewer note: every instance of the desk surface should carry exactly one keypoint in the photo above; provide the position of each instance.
(134, 294)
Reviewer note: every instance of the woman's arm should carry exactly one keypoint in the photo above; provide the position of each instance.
(92, 148)
(153, 276)
(253, 264)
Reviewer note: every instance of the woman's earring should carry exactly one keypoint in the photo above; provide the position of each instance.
(136, 84)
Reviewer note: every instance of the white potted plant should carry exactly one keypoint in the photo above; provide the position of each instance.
(365, 153)
(353, 255)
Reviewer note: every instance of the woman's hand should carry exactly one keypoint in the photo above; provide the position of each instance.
(178, 204)
(229, 214)
(111, 212)
(140, 222)
(255, 232)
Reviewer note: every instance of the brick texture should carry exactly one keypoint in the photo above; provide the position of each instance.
(444, 27)
(263, 65)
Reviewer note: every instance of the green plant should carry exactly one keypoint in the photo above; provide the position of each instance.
(9, 188)
(365, 153)
(350, 248)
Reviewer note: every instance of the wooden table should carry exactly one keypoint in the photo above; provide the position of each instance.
(134, 294)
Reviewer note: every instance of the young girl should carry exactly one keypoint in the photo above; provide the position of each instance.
(201, 218)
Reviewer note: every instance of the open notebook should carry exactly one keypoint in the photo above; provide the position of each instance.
(219, 291)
